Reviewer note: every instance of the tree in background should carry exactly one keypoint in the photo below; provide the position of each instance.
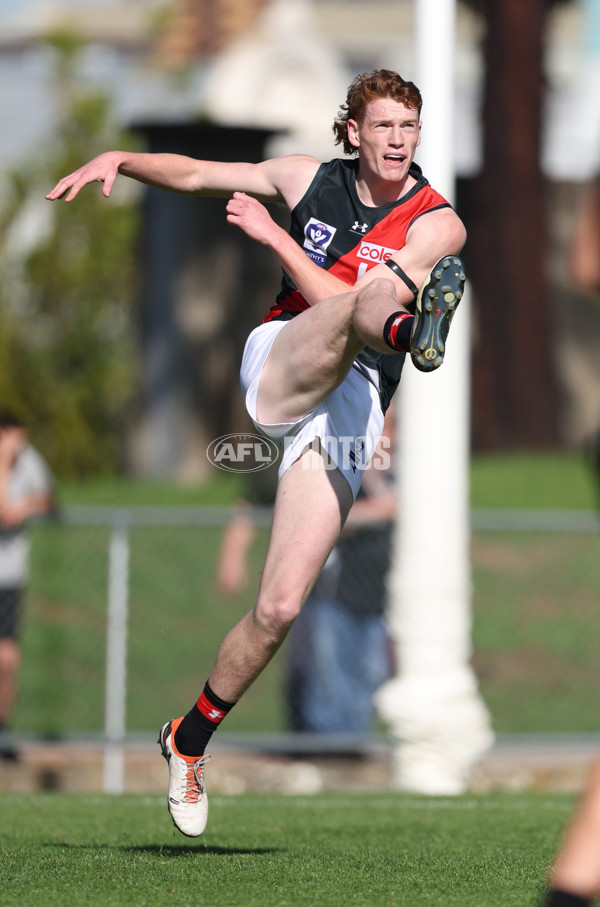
(514, 378)
(68, 351)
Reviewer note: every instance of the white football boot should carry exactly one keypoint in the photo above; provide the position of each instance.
(188, 800)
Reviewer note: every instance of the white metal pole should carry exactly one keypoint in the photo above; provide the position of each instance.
(116, 659)
(433, 706)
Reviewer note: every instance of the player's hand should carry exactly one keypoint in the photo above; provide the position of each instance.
(252, 217)
(102, 169)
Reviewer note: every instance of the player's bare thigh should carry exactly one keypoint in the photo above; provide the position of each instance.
(311, 507)
(309, 358)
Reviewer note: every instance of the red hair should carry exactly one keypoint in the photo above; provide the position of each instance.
(381, 83)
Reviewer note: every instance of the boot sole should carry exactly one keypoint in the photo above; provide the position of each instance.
(437, 302)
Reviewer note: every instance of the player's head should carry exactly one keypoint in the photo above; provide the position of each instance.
(381, 83)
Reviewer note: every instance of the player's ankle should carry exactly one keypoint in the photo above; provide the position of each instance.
(397, 331)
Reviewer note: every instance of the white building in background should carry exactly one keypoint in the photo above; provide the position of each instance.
(298, 52)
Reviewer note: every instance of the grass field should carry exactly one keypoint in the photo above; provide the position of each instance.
(328, 851)
(561, 480)
(534, 605)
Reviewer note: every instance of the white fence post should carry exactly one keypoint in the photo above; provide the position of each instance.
(116, 658)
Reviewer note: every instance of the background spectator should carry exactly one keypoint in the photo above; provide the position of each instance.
(26, 490)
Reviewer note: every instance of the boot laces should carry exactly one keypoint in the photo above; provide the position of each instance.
(194, 783)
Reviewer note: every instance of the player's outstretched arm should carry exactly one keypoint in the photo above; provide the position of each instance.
(280, 180)
(174, 172)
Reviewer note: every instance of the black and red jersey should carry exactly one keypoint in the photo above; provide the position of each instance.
(344, 236)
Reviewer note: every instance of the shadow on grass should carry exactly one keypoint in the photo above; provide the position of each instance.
(183, 850)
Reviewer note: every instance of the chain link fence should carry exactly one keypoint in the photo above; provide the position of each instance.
(123, 617)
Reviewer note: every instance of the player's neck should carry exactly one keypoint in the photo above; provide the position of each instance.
(375, 192)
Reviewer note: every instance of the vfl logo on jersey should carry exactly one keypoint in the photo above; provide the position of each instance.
(359, 228)
(317, 238)
(376, 255)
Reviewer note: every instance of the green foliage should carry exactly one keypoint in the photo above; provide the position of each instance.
(68, 361)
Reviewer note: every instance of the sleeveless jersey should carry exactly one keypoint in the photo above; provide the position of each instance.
(344, 236)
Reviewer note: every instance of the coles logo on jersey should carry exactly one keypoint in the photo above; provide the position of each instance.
(368, 251)
(317, 238)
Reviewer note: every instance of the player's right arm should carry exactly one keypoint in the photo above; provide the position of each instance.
(282, 179)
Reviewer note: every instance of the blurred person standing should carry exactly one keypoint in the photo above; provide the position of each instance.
(584, 259)
(584, 270)
(26, 491)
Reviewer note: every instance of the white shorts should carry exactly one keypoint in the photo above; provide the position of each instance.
(348, 423)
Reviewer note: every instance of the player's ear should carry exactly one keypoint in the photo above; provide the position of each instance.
(419, 139)
(353, 133)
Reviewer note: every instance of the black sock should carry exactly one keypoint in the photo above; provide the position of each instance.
(558, 898)
(198, 726)
(397, 331)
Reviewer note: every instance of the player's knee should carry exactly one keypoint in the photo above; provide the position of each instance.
(377, 290)
(276, 615)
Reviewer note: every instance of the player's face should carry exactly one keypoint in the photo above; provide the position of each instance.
(387, 139)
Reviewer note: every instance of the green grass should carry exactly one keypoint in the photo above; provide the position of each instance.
(263, 850)
(221, 489)
(176, 620)
(535, 629)
(516, 480)
(534, 608)
(548, 481)
(535, 615)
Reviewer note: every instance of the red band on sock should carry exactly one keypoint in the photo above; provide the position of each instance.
(394, 328)
(209, 710)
